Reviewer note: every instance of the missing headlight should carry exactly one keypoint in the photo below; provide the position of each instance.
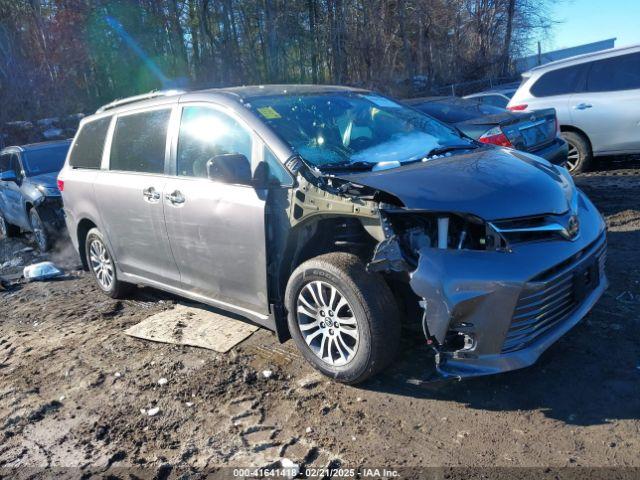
(416, 231)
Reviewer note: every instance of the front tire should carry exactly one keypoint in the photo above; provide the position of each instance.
(39, 230)
(102, 266)
(580, 157)
(344, 320)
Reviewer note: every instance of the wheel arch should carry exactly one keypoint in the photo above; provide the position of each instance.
(82, 230)
(574, 129)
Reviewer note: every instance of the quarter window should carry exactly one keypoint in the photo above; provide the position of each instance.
(86, 151)
(205, 133)
(558, 82)
(617, 73)
(139, 142)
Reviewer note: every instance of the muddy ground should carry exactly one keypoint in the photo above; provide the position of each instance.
(75, 391)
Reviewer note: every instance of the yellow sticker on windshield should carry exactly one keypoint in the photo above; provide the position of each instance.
(269, 113)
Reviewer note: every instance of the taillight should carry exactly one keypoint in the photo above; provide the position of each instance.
(61, 185)
(517, 108)
(495, 136)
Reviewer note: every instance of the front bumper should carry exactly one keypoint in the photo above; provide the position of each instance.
(511, 306)
(51, 210)
(556, 152)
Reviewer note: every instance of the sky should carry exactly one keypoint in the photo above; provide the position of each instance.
(585, 21)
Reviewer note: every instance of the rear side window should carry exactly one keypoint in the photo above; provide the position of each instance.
(494, 100)
(139, 142)
(617, 73)
(558, 82)
(86, 151)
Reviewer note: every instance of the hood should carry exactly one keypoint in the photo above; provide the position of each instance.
(45, 179)
(491, 183)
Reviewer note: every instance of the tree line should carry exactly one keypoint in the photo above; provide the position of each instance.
(63, 56)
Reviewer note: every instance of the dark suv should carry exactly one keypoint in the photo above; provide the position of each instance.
(29, 196)
(334, 215)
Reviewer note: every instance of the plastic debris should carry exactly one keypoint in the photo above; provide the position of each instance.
(267, 373)
(292, 468)
(163, 381)
(41, 271)
(153, 411)
(117, 374)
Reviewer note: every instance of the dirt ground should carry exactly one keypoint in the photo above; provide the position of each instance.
(76, 392)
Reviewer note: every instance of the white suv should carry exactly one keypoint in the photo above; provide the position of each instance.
(597, 100)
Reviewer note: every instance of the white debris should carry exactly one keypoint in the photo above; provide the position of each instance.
(143, 411)
(52, 133)
(62, 397)
(292, 467)
(462, 434)
(267, 373)
(309, 430)
(153, 411)
(117, 374)
(12, 263)
(189, 404)
(359, 399)
(163, 381)
(353, 439)
(41, 271)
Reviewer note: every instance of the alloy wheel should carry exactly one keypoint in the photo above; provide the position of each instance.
(101, 264)
(573, 157)
(327, 323)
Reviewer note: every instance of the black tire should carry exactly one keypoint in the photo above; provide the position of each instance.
(115, 288)
(41, 235)
(369, 301)
(6, 229)
(580, 158)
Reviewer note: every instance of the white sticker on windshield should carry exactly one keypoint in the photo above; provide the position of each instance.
(382, 101)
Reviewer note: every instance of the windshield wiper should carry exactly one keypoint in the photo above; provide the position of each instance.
(359, 165)
(449, 148)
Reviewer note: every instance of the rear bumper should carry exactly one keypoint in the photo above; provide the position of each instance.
(556, 152)
(510, 306)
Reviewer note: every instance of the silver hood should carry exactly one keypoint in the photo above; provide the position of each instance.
(491, 183)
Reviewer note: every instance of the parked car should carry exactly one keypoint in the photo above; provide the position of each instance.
(498, 96)
(536, 132)
(596, 97)
(29, 197)
(333, 215)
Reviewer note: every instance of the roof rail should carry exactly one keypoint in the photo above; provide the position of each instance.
(138, 98)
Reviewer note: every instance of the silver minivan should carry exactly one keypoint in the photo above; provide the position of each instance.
(335, 216)
(597, 100)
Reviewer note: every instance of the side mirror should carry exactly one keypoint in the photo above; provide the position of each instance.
(8, 176)
(230, 168)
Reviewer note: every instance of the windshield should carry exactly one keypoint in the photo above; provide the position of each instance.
(44, 160)
(349, 128)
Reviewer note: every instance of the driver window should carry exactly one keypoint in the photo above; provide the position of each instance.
(205, 133)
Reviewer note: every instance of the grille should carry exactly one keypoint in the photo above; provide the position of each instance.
(547, 300)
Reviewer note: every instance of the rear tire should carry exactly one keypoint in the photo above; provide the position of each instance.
(580, 157)
(102, 266)
(344, 320)
(6, 229)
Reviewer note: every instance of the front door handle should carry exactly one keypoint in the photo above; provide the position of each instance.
(151, 194)
(582, 106)
(176, 197)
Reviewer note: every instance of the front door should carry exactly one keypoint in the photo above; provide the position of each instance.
(129, 195)
(11, 201)
(216, 230)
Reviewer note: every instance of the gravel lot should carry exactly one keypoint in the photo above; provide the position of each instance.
(76, 392)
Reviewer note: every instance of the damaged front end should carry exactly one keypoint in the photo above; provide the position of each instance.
(493, 301)
(493, 282)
